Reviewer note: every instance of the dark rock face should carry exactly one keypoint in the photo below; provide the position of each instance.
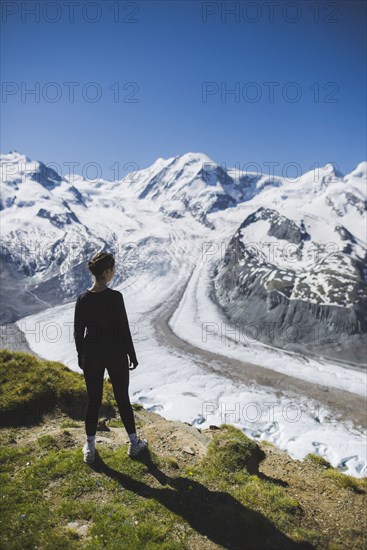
(58, 220)
(360, 205)
(280, 226)
(286, 308)
(46, 176)
(350, 199)
(211, 173)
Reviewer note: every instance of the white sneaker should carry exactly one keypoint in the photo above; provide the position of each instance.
(89, 454)
(135, 448)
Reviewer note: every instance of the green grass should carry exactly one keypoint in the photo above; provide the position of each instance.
(117, 517)
(358, 485)
(45, 487)
(47, 442)
(69, 423)
(114, 423)
(30, 387)
(232, 451)
(300, 534)
(230, 459)
(318, 461)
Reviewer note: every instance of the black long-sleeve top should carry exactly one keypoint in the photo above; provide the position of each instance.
(108, 336)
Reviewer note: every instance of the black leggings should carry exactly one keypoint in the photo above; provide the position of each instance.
(119, 374)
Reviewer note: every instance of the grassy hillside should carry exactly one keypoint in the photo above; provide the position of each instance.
(193, 489)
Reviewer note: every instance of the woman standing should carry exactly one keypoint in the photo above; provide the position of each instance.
(106, 344)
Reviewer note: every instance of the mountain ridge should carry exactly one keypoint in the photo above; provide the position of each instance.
(73, 219)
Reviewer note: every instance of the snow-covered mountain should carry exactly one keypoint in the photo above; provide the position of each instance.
(297, 258)
(294, 273)
(194, 183)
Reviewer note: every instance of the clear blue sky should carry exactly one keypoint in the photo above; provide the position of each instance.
(169, 53)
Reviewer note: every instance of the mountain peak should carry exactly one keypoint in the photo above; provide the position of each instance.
(192, 157)
(14, 157)
(360, 171)
(330, 170)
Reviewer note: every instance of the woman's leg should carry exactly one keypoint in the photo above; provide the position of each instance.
(120, 376)
(93, 374)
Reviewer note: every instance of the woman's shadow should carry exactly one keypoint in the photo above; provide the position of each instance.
(214, 514)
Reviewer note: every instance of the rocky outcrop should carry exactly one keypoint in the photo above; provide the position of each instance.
(319, 310)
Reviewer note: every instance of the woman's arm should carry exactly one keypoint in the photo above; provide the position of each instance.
(79, 328)
(125, 330)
